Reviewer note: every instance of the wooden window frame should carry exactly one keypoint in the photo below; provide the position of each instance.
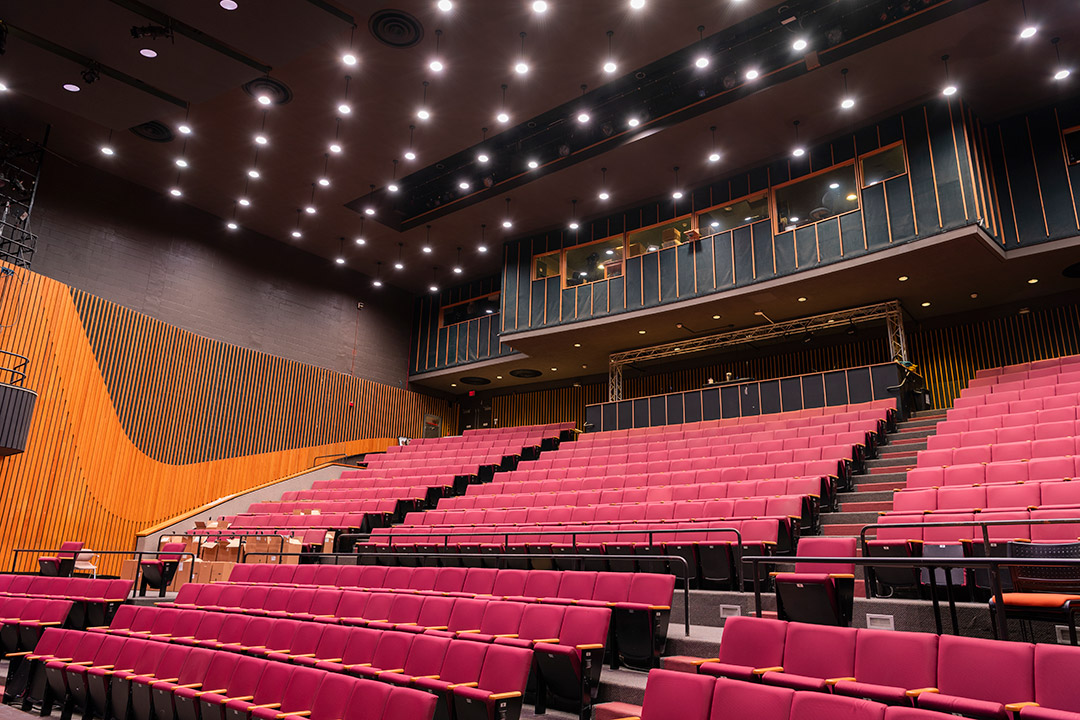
(1075, 129)
(774, 214)
(609, 238)
(762, 194)
(444, 308)
(562, 264)
(693, 227)
(872, 153)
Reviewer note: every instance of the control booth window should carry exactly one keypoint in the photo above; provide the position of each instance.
(470, 309)
(883, 165)
(595, 261)
(736, 214)
(658, 237)
(547, 265)
(1071, 140)
(820, 196)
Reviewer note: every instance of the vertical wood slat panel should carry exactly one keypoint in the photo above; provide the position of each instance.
(108, 456)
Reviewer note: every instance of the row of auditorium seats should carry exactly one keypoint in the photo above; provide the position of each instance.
(961, 452)
(93, 601)
(139, 679)
(566, 642)
(972, 677)
(1047, 494)
(1040, 367)
(23, 619)
(1020, 531)
(1051, 468)
(561, 430)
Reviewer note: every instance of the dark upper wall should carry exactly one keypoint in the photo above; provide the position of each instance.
(139, 249)
(438, 344)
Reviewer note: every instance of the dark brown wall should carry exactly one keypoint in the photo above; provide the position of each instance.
(139, 249)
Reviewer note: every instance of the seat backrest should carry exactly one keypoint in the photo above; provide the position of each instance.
(246, 676)
(826, 547)
(392, 650)
(463, 661)
(220, 670)
(1028, 578)
(819, 651)
(821, 706)
(651, 589)
(467, 614)
(898, 659)
(408, 704)
(303, 688)
(231, 628)
(1056, 670)
(69, 549)
(506, 669)
(170, 551)
(734, 699)
(368, 701)
(753, 642)
(426, 655)
(677, 696)
(361, 646)
(988, 670)
(272, 683)
(502, 617)
(331, 701)
(172, 661)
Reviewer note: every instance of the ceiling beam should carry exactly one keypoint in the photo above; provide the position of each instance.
(333, 10)
(155, 15)
(88, 62)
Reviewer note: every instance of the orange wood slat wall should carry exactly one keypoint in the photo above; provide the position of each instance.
(83, 476)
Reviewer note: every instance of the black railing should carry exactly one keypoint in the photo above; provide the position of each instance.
(17, 369)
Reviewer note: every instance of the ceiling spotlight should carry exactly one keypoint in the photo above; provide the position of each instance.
(798, 150)
(231, 225)
(1032, 281)
(834, 185)
(702, 62)
(184, 129)
(244, 201)
(521, 68)
(181, 162)
(1061, 74)
(482, 158)
(339, 260)
(445, 5)
(482, 248)
(297, 234)
(106, 150)
(458, 271)
(640, 332)
(228, 4)
(637, 4)
(148, 53)
(802, 299)
(435, 66)
(464, 185)
(426, 249)
(310, 209)
(574, 225)
(360, 239)
(903, 278)
(507, 223)
(399, 265)
(847, 103)
(1028, 31)
(348, 59)
(344, 108)
(264, 100)
(392, 187)
(261, 140)
(949, 90)
(253, 174)
(799, 44)
(752, 74)
(325, 182)
(677, 195)
(376, 282)
(369, 211)
(335, 147)
(410, 155)
(610, 67)
(539, 6)
(423, 114)
(633, 122)
(533, 164)
(926, 304)
(70, 87)
(433, 287)
(503, 117)
(714, 157)
(175, 192)
(852, 197)
(583, 117)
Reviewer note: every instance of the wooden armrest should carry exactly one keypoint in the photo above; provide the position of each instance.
(429, 677)
(347, 667)
(333, 660)
(504, 695)
(17, 654)
(393, 670)
(190, 686)
(631, 717)
(438, 627)
(268, 706)
(98, 627)
(208, 692)
(507, 635)
(464, 632)
(590, 646)
(139, 632)
(302, 713)
(842, 576)
(182, 637)
(702, 661)
(762, 671)
(304, 655)
(48, 624)
(1015, 707)
(157, 680)
(832, 681)
(84, 663)
(919, 691)
(244, 698)
(470, 684)
(547, 641)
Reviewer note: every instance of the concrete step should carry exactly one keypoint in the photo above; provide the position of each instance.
(900, 469)
(865, 507)
(859, 495)
(912, 433)
(848, 530)
(888, 486)
(885, 462)
(921, 422)
(938, 413)
(898, 444)
(848, 518)
(905, 450)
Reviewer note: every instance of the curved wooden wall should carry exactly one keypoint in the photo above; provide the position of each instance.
(179, 440)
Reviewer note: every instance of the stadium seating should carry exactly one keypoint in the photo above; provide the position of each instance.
(93, 601)
(818, 592)
(63, 563)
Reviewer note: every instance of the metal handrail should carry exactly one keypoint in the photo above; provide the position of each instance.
(497, 556)
(18, 369)
(139, 554)
(994, 564)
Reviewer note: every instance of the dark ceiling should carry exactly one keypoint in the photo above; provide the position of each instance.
(214, 52)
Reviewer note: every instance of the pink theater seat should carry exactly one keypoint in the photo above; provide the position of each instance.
(814, 654)
(817, 592)
(668, 696)
(889, 663)
(819, 706)
(970, 686)
(748, 644)
(1056, 690)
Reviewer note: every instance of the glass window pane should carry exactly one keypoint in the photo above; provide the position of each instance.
(476, 308)
(595, 261)
(881, 166)
(659, 236)
(822, 196)
(1072, 145)
(547, 265)
(736, 214)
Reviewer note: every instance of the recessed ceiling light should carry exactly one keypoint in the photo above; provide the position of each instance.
(794, 219)
(610, 67)
(176, 192)
(264, 100)
(106, 150)
(392, 187)
(423, 114)
(369, 211)
(637, 4)
(554, 369)
(445, 5)
(702, 62)
(410, 155)
(348, 59)
(802, 299)
(339, 260)
(481, 248)
(1061, 74)
(426, 249)
(464, 185)
(344, 108)
(640, 332)
(903, 278)
(633, 122)
(926, 304)
(181, 162)
(310, 209)
(577, 344)
(521, 68)
(799, 44)
(324, 181)
(948, 90)
(847, 103)
(533, 164)
(244, 201)
(507, 224)
(539, 6)
(296, 233)
(604, 195)
(335, 148)
(714, 157)
(148, 53)
(458, 271)
(433, 288)
(503, 117)
(361, 241)
(715, 317)
(609, 251)
(498, 377)
(574, 225)
(799, 151)
(261, 140)
(752, 74)
(974, 296)
(228, 4)
(253, 174)
(184, 129)
(583, 117)
(453, 384)
(399, 265)
(1028, 31)
(70, 87)
(852, 197)
(482, 158)
(231, 225)
(377, 282)
(436, 66)
(677, 194)
(1032, 281)
(834, 186)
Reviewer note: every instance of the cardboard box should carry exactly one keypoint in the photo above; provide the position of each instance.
(228, 551)
(219, 571)
(208, 550)
(202, 571)
(181, 577)
(128, 569)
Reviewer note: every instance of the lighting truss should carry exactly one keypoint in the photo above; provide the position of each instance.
(889, 311)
